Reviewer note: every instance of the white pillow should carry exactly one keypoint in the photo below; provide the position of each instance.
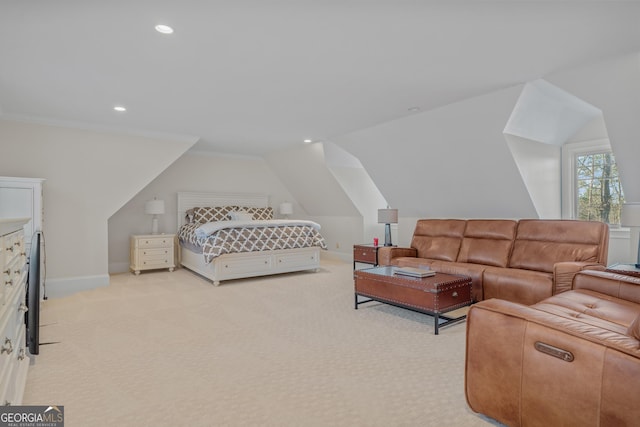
(240, 216)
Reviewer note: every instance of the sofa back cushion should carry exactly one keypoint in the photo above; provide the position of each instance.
(488, 242)
(438, 238)
(539, 243)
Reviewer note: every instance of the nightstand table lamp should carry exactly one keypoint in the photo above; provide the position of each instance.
(387, 217)
(154, 207)
(286, 209)
(630, 217)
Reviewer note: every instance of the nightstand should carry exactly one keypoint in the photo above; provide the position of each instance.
(152, 251)
(365, 254)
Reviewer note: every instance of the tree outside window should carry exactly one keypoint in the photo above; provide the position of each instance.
(599, 191)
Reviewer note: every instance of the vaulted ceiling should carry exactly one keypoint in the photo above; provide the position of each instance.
(255, 76)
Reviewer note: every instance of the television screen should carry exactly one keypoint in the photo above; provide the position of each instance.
(33, 295)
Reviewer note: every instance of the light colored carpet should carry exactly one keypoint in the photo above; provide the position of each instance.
(170, 349)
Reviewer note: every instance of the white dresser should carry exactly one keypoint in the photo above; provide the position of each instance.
(151, 251)
(14, 361)
(23, 198)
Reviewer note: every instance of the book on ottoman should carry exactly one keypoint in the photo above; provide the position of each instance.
(414, 272)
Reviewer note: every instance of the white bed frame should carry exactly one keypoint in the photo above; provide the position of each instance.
(244, 264)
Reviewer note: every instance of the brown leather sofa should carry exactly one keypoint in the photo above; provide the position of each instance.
(572, 359)
(522, 261)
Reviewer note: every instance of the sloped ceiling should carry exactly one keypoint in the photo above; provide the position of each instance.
(255, 76)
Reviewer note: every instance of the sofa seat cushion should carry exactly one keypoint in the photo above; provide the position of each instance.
(593, 308)
(513, 284)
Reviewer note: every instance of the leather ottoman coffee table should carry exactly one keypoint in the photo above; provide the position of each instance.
(434, 295)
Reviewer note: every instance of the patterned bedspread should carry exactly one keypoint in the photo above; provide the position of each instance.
(250, 238)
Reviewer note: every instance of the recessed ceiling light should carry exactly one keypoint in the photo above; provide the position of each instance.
(120, 108)
(307, 141)
(164, 29)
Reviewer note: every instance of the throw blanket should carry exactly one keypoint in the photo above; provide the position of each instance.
(209, 228)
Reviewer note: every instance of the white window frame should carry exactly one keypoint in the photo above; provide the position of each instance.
(569, 153)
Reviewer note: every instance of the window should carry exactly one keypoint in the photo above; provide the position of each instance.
(592, 189)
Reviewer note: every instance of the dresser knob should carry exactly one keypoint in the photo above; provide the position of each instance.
(7, 347)
(23, 308)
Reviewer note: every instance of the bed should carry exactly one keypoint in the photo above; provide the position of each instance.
(222, 248)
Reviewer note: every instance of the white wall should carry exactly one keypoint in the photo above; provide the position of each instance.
(449, 162)
(89, 175)
(540, 167)
(318, 194)
(193, 172)
(613, 86)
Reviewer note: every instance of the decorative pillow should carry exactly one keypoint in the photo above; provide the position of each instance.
(211, 214)
(260, 213)
(240, 216)
(634, 328)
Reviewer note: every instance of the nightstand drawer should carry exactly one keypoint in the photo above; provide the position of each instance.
(365, 254)
(154, 253)
(155, 242)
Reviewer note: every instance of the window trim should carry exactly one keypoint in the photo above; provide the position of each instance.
(570, 151)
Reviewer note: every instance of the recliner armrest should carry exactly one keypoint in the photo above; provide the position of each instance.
(387, 253)
(608, 283)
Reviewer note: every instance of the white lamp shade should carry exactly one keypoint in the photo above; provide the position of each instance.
(286, 208)
(154, 207)
(387, 216)
(630, 215)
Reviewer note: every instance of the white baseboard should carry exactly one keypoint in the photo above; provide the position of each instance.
(57, 288)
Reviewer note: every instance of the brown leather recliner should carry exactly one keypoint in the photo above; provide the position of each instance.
(572, 359)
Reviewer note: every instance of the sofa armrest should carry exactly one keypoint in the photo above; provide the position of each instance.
(387, 253)
(564, 272)
(612, 284)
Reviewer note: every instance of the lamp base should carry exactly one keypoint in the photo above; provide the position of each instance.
(387, 235)
(154, 225)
